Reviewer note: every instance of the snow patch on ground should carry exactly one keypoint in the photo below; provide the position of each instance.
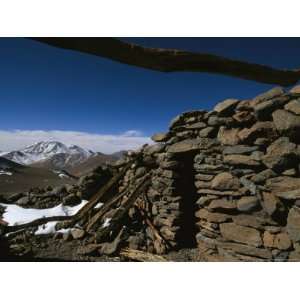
(60, 174)
(49, 228)
(63, 175)
(2, 172)
(99, 205)
(16, 215)
(106, 222)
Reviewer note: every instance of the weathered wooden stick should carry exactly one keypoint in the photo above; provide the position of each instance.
(173, 60)
(101, 193)
(36, 222)
(141, 256)
(103, 210)
(116, 220)
(152, 227)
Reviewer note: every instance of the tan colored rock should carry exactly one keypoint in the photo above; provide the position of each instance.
(264, 109)
(293, 224)
(77, 233)
(220, 193)
(89, 249)
(282, 241)
(208, 132)
(268, 239)
(258, 130)
(289, 195)
(225, 181)
(247, 203)
(187, 117)
(228, 136)
(208, 228)
(271, 203)
(262, 176)
(294, 256)
(293, 106)
(160, 137)
(191, 145)
(154, 149)
(244, 105)
(226, 107)
(198, 125)
(241, 234)
(212, 217)
(243, 160)
(281, 154)
(283, 184)
(272, 93)
(286, 121)
(222, 204)
(273, 229)
(216, 121)
(202, 184)
(247, 250)
(295, 89)
(249, 221)
(290, 172)
(239, 149)
(243, 116)
(205, 200)
(169, 165)
(167, 233)
(204, 177)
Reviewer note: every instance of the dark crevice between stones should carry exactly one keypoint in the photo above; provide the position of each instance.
(5, 254)
(281, 214)
(187, 190)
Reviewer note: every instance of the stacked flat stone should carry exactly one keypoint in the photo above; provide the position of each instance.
(164, 198)
(246, 171)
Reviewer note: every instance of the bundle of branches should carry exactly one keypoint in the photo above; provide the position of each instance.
(118, 217)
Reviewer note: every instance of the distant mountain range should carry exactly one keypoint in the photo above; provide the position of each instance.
(48, 163)
(45, 150)
(58, 156)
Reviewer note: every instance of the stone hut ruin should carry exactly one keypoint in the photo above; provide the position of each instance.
(226, 182)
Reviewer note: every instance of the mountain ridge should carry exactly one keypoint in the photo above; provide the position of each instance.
(56, 155)
(44, 150)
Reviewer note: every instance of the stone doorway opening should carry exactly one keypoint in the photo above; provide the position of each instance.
(188, 192)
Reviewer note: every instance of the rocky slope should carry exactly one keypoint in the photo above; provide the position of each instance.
(88, 165)
(16, 178)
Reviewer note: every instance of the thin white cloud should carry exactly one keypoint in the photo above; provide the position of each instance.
(106, 143)
(131, 133)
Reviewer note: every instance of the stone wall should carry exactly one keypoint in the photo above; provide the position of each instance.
(243, 160)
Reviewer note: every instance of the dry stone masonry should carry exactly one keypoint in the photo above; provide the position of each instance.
(229, 180)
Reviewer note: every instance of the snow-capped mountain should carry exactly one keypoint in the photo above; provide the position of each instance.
(74, 149)
(48, 152)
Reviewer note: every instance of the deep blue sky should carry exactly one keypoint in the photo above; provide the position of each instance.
(42, 87)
